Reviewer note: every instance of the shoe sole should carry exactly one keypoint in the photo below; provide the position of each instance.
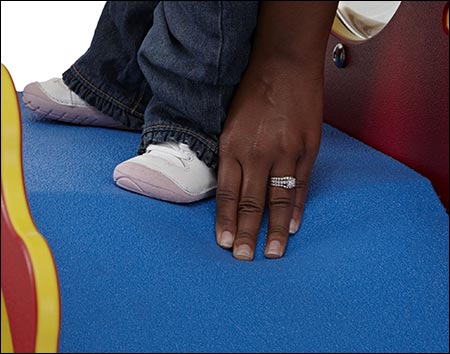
(37, 101)
(153, 184)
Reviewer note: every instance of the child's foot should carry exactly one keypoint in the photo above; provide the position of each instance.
(168, 171)
(52, 99)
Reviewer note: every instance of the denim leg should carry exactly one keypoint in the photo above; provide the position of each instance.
(108, 76)
(193, 58)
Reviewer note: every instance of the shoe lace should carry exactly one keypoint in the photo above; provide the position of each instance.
(171, 149)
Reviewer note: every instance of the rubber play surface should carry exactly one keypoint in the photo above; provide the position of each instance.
(367, 272)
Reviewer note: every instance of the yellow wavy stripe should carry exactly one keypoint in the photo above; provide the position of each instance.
(47, 287)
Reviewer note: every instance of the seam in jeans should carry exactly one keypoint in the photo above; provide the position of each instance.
(141, 95)
(219, 53)
(210, 145)
(219, 57)
(104, 94)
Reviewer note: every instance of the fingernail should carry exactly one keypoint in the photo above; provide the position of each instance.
(293, 227)
(244, 251)
(274, 249)
(226, 239)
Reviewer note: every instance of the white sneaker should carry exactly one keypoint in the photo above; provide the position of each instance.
(54, 100)
(168, 171)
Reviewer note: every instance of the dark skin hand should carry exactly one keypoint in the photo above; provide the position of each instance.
(273, 127)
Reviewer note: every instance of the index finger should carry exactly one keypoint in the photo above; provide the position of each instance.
(227, 198)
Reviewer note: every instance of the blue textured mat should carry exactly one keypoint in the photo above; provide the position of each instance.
(368, 272)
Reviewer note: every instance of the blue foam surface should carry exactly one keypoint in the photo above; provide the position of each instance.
(368, 272)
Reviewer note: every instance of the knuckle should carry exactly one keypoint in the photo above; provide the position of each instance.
(245, 237)
(255, 155)
(290, 148)
(224, 219)
(224, 150)
(280, 202)
(301, 184)
(249, 205)
(226, 195)
(225, 145)
(279, 230)
(299, 205)
(257, 151)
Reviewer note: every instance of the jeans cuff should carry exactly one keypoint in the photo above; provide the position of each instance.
(101, 100)
(206, 148)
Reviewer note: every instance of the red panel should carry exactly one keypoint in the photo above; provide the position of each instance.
(394, 92)
(18, 287)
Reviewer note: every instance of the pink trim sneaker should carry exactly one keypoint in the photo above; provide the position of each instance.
(168, 171)
(52, 99)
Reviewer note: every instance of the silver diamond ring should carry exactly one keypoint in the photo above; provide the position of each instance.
(283, 182)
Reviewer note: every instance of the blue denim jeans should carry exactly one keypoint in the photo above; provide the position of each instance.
(169, 68)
